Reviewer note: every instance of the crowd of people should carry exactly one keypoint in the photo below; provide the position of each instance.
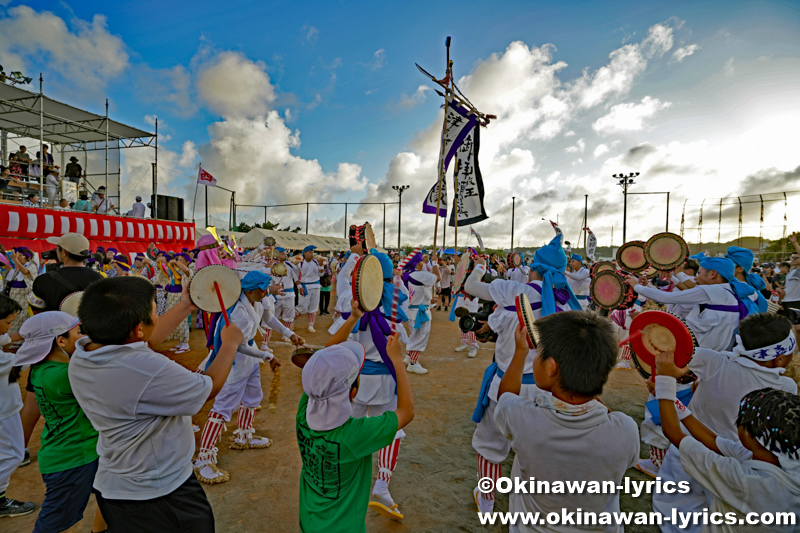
(124, 430)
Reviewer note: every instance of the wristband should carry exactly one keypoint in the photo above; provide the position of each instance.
(268, 356)
(666, 388)
(682, 410)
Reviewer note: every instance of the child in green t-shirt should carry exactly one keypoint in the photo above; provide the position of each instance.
(337, 449)
(68, 453)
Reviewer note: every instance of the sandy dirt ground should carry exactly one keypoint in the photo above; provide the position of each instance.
(437, 467)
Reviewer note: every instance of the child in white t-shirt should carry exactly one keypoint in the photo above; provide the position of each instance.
(758, 472)
(758, 360)
(142, 403)
(561, 432)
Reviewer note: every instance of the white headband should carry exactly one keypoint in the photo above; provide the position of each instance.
(767, 353)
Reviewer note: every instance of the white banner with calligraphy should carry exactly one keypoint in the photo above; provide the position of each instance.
(469, 182)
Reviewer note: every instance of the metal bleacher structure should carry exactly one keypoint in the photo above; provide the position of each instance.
(35, 120)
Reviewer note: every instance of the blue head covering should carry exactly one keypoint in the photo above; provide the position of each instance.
(576, 257)
(309, 248)
(744, 258)
(279, 249)
(387, 297)
(256, 279)
(726, 268)
(550, 261)
(698, 257)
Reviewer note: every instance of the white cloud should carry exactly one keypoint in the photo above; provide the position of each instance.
(233, 85)
(685, 51)
(86, 55)
(378, 59)
(309, 34)
(628, 116)
(417, 98)
(601, 149)
(579, 147)
(170, 86)
(729, 70)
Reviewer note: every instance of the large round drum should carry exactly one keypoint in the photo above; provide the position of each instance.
(630, 257)
(600, 266)
(609, 290)
(666, 250)
(368, 282)
(516, 259)
(279, 270)
(464, 268)
(659, 331)
(71, 303)
(204, 294)
(526, 319)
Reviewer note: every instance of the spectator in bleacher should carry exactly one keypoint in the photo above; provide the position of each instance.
(16, 167)
(52, 182)
(32, 200)
(15, 184)
(24, 159)
(82, 204)
(63, 204)
(101, 205)
(73, 172)
(137, 209)
(47, 161)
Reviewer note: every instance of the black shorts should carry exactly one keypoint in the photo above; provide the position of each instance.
(66, 496)
(184, 509)
(446, 291)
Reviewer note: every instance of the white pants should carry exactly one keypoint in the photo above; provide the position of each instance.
(310, 302)
(418, 338)
(284, 308)
(694, 501)
(12, 448)
(246, 392)
(488, 440)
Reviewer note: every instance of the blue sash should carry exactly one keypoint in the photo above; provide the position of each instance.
(483, 396)
(372, 368)
(422, 315)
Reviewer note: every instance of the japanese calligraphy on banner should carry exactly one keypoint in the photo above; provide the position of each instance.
(591, 244)
(458, 124)
(469, 182)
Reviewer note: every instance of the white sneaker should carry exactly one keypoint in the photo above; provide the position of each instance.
(195, 428)
(311, 329)
(406, 359)
(473, 351)
(416, 368)
(462, 348)
(647, 466)
(624, 363)
(484, 505)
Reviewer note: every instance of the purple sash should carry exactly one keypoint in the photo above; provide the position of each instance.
(379, 329)
(15, 284)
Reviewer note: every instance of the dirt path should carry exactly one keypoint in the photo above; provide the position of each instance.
(437, 466)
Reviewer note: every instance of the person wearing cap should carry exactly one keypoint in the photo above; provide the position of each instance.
(309, 275)
(67, 454)
(73, 171)
(336, 448)
(141, 403)
(137, 209)
(719, 301)
(578, 279)
(242, 389)
(83, 205)
(100, 204)
(12, 440)
(284, 302)
(419, 282)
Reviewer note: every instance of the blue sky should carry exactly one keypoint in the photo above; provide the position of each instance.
(693, 87)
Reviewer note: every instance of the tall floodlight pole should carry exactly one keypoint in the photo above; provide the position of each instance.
(513, 205)
(625, 181)
(400, 189)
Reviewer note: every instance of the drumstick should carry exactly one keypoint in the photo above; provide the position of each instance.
(633, 336)
(395, 300)
(222, 305)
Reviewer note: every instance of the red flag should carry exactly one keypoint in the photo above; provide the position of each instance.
(204, 178)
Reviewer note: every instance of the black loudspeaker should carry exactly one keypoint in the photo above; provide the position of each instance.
(169, 207)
